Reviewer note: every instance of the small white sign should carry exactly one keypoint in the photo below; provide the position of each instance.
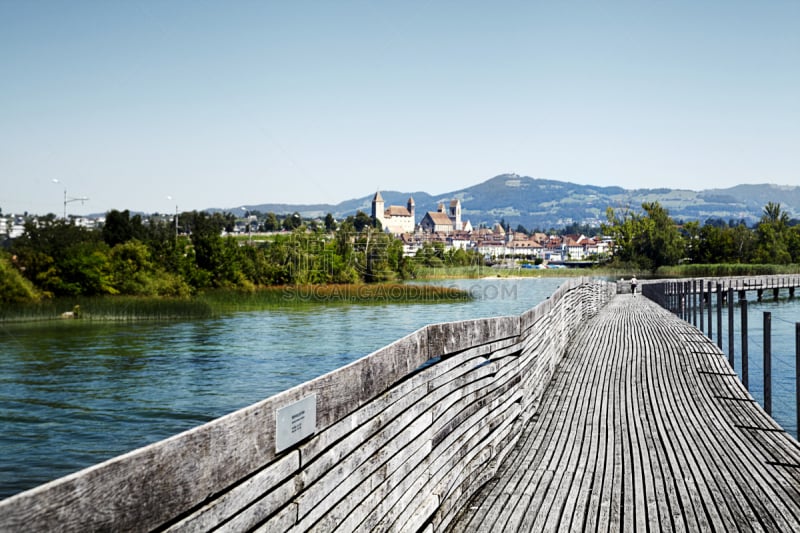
(294, 422)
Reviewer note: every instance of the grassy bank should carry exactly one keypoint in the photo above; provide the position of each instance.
(725, 270)
(378, 293)
(217, 302)
(478, 272)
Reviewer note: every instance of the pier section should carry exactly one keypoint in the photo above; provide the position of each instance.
(644, 427)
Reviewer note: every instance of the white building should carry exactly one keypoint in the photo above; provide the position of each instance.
(394, 219)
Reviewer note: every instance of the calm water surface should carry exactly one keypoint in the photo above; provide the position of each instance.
(73, 394)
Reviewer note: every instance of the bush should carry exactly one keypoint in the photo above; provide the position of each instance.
(14, 288)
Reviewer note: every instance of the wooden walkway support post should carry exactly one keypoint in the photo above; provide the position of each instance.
(745, 369)
(684, 302)
(702, 304)
(710, 316)
(719, 315)
(694, 302)
(797, 374)
(768, 362)
(731, 340)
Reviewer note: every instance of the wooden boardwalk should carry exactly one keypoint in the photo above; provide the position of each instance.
(644, 427)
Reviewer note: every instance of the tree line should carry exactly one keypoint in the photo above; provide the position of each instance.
(650, 238)
(162, 258)
(178, 258)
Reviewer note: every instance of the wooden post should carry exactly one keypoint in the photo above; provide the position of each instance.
(797, 375)
(685, 300)
(731, 343)
(702, 303)
(694, 302)
(710, 315)
(745, 369)
(671, 291)
(768, 362)
(719, 315)
(668, 297)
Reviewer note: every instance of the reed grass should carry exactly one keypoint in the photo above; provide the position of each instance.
(108, 308)
(221, 301)
(725, 270)
(378, 293)
(478, 272)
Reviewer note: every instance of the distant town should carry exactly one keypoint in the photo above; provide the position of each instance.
(446, 227)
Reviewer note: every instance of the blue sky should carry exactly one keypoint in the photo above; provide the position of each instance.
(223, 104)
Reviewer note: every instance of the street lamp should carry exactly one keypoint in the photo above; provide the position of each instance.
(176, 218)
(67, 200)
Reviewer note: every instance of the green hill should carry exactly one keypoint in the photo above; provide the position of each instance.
(544, 204)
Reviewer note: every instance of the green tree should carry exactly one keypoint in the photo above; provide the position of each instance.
(134, 272)
(793, 243)
(330, 222)
(216, 258)
(773, 236)
(61, 258)
(363, 220)
(644, 240)
(660, 241)
(271, 222)
(692, 239)
(85, 270)
(120, 227)
(292, 222)
(623, 227)
(14, 287)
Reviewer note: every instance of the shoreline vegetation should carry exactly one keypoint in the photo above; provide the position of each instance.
(191, 265)
(215, 302)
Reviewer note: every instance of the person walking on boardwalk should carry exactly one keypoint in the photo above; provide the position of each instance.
(633, 286)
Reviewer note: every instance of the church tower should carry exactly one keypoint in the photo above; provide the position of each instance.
(410, 205)
(455, 214)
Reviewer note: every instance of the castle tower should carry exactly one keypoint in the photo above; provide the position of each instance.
(410, 205)
(377, 208)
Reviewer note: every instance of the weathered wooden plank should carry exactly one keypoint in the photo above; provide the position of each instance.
(283, 520)
(451, 337)
(469, 376)
(665, 450)
(331, 489)
(442, 421)
(268, 488)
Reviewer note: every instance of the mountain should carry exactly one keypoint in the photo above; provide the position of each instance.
(545, 204)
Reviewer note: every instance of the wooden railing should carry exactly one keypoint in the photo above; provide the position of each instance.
(396, 440)
(695, 299)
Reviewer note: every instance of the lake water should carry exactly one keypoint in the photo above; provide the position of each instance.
(73, 394)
